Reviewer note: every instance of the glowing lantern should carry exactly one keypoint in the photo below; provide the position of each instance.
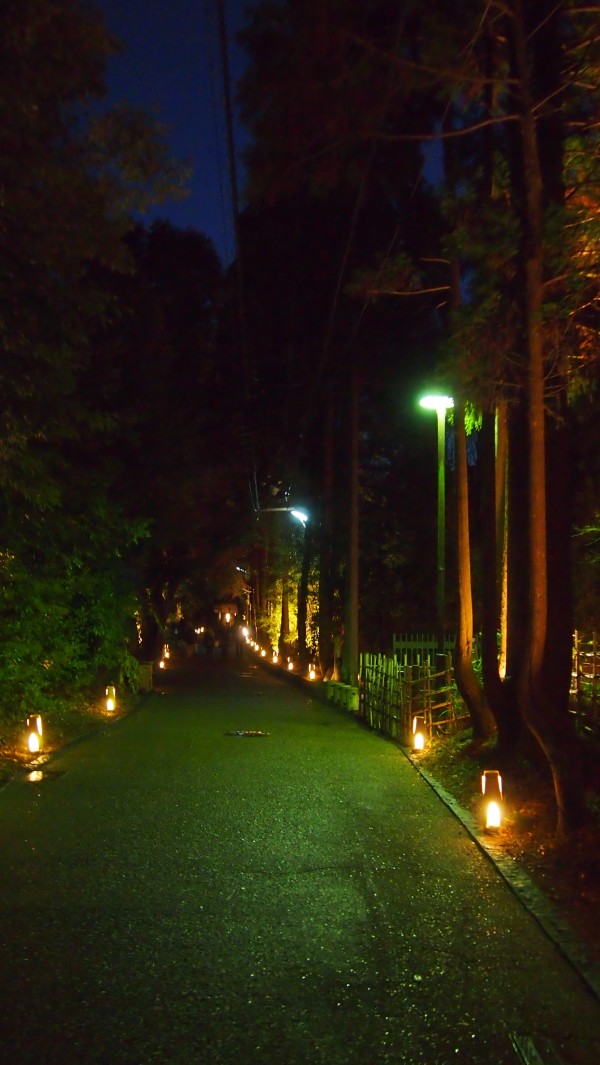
(275, 657)
(290, 664)
(263, 653)
(111, 698)
(161, 664)
(167, 651)
(245, 632)
(312, 673)
(418, 734)
(34, 733)
(491, 789)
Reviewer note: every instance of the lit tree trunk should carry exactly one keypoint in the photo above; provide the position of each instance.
(284, 630)
(500, 503)
(350, 648)
(325, 540)
(503, 707)
(543, 708)
(482, 721)
(303, 597)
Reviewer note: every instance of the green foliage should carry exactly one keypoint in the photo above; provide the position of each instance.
(68, 182)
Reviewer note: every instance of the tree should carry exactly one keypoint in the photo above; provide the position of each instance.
(68, 181)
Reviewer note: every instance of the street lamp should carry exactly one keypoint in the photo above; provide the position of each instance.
(440, 405)
(299, 515)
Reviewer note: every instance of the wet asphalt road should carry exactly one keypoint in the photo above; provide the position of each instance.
(172, 893)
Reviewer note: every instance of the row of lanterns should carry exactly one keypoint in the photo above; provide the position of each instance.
(492, 797)
(275, 659)
(34, 735)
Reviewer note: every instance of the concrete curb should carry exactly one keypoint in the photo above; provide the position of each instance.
(529, 895)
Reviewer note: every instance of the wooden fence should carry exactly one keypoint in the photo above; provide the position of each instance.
(414, 682)
(391, 693)
(415, 648)
(585, 677)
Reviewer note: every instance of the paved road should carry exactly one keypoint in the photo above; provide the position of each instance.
(174, 893)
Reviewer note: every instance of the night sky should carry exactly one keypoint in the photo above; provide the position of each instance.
(171, 66)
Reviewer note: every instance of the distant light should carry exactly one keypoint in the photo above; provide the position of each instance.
(111, 698)
(263, 653)
(290, 664)
(439, 403)
(312, 673)
(300, 515)
(161, 664)
(244, 632)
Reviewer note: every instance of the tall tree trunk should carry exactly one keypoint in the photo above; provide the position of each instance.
(350, 648)
(543, 708)
(482, 720)
(284, 628)
(503, 707)
(325, 545)
(303, 597)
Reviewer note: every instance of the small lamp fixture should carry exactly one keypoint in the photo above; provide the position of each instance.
(290, 664)
(34, 733)
(263, 653)
(275, 658)
(419, 734)
(312, 673)
(161, 664)
(111, 698)
(491, 789)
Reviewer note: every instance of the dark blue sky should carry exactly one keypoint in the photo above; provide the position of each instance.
(171, 66)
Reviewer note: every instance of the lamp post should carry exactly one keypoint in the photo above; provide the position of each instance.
(440, 405)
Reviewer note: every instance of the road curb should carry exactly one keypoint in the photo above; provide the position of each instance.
(529, 895)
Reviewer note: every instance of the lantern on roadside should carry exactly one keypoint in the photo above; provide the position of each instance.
(111, 698)
(290, 664)
(491, 790)
(419, 734)
(312, 673)
(34, 733)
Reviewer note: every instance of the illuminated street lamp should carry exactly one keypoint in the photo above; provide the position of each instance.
(296, 512)
(440, 405)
